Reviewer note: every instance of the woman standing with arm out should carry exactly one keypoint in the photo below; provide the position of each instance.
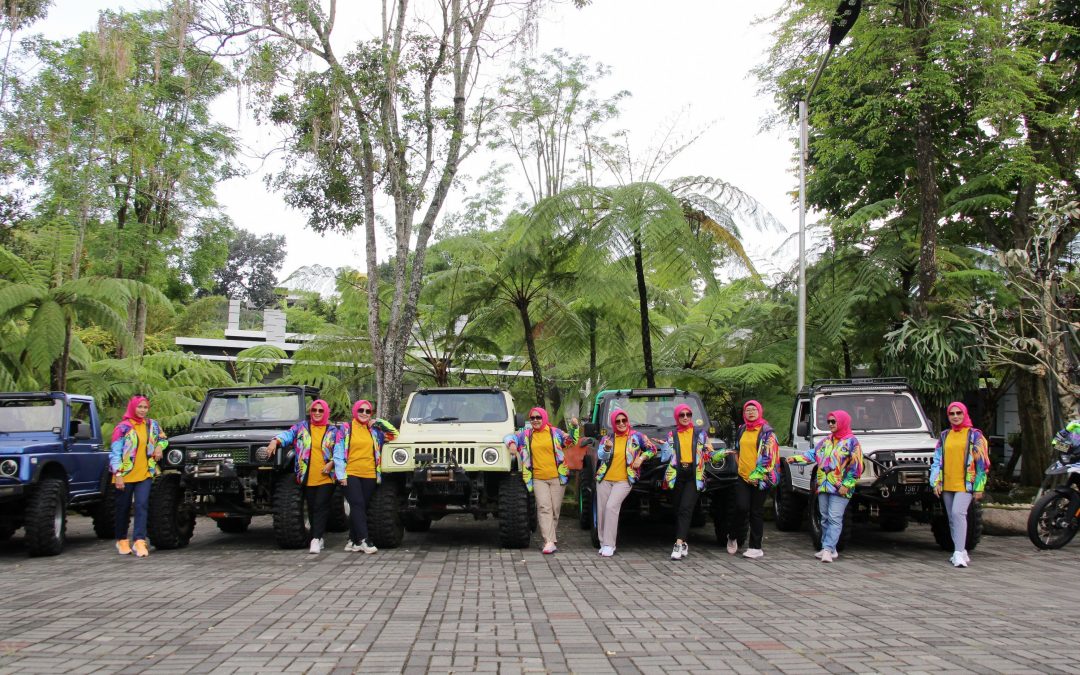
(543, 468)
(314, 440)
(137, 444)
(759, 459)
(620, 455)
(686, 451)
(839, 465)
(958, 474)
(358, 469)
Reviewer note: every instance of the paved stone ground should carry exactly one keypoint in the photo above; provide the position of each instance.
(451, 601)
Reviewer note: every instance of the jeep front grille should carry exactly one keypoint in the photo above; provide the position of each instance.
(892, 462)
(444, 454)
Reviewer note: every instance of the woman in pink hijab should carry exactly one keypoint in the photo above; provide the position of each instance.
(686, 451)
(759, 459)
(543, 468)
(958, 474)
(839, 466)
(357, 467)
(137, 444)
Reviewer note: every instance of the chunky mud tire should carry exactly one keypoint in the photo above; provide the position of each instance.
(290, 517)
(104, 514)
(170, 523)
(338, 520)
(235, 525)
(384, 515)
(514, 529)
(721, 507)
(939, 525)
(1052, 522)
(789, 506)
(46, 517)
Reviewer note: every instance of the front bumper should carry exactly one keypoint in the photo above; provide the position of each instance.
(904, 483)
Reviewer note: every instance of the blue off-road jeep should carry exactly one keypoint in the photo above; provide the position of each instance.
(51, 460)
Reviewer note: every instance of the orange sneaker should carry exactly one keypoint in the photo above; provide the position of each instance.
(123, 547)
(140, 549)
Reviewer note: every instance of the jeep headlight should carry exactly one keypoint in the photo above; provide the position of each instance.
(263, 454)
(9, 467)
(174, 456)
(490, 455)
(399, 456)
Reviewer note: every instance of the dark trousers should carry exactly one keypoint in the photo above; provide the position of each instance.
(358, 491)
(684, 500)
(749, 506)
(318, 504)
(140, 494)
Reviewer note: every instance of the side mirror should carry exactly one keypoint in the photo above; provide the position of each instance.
(802, 430)
(519, 420)
(592, 430)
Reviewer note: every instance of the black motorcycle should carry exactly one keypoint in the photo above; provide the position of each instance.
(1055, 517)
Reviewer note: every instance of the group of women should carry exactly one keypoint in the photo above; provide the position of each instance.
(349, 455)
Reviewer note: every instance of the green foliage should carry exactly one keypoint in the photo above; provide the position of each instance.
(940, 357)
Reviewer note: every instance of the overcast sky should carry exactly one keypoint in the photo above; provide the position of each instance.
(685, 60)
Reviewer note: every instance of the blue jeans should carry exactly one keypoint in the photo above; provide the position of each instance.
(140, 492)
(832, 509)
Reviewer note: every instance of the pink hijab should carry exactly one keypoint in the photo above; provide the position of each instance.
(679, 425)
(131, 416)
(966, 422)
(356, 415)
(611, 418)
(544, 418)
(843, 425)
(760, 421)
(326, 413)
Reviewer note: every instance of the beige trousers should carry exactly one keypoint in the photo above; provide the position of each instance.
(549, 495)
(609, 499)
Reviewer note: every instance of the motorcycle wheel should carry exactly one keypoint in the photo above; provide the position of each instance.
(1053, 520)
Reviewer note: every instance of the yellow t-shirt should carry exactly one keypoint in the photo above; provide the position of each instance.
(140, 471)
(686, 445)
(317, 463)
(952, 464)
(617, 464)
(543, 456)
(748, 452)
(361, 452)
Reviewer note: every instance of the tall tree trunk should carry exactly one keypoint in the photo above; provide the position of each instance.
(643, 309)
(926, 169)
(59, 368)
(591, 321)
(534, 359)
(1033, 399)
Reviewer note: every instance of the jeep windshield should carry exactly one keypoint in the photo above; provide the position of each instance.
(656, 412)
(21, 415)
(251, 408)
(871, 411)
(457, 407)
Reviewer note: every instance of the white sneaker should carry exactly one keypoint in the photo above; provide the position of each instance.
(607, 551)
(957, 559)
(826, 556)
(365, 547)
(685, 550)
(732, 546)
(753, 553)
(351, 547)
(819, 554)
(316, 546)
(677, 552)
(967, 558)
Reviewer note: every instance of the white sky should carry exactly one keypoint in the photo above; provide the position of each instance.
(687, 60)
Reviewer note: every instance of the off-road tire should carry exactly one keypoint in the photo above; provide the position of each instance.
(46, 517)
(104, 514)
(939, 525)
(234, 525)
(513, 505)
(290, 519)
(384, 515)
(789, 506)
(338, 518)
(1058, 502)
(586, 491)
(170, 523)
(414, 523)
(721, 507)
(893, 520)
(815, 523)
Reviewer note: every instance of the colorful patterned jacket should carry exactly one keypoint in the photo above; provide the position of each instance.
(702, 451)
(767, 471)
(976, 461)
(637, 444)
(839, 464)
(523, 438)
(381, 432)
(126, 441)
(299, 436)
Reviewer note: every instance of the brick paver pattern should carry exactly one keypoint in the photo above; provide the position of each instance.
(451, 601)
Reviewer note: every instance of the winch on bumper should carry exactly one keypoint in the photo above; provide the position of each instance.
(887, 478)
